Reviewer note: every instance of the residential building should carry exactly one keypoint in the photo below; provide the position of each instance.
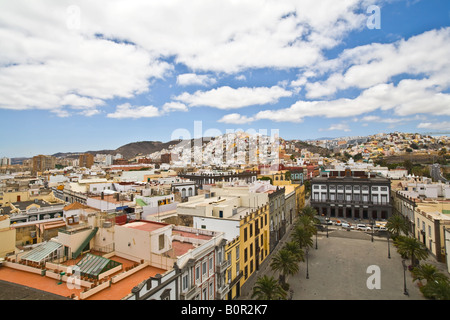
(197, 257)
(86, 160)
(352, 195)
(430, 222)
(42, 163)
(7, 237)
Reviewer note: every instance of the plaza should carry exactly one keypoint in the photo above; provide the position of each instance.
(343, 263)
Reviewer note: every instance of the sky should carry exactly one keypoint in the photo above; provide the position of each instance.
(92, 75)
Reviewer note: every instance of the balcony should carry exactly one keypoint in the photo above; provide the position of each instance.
(190, 294)
(221, 267)
(222, 292)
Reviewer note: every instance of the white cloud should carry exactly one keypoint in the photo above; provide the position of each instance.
(188, 79)
(230, 98)
(127, 111)
(444, 125)
(174, 106)
(337, 127)
(363, 67)
(236, 118)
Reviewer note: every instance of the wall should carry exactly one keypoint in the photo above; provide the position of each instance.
(229, 227)
(7, 241)
(73, 241)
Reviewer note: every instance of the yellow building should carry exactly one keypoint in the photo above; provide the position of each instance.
(234, 273)
(254, 244)
(27, 195)
(7, 237)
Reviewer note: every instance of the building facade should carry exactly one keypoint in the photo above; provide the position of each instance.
(352, 195)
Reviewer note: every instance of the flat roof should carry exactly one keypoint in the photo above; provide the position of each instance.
(145, 225)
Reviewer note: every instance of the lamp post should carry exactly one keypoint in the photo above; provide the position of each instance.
(327, 226)
(389, 247)
(307, 263)
(372, 223)
(316, 239)
(405, 291)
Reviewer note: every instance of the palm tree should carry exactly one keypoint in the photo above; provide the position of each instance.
(285, 263)
(295, 250)
(309, 211)
(429, 273)
(396, 225)
(302, 236)
(268, 288)
(305, 221)
(412, 248)
(436, 290)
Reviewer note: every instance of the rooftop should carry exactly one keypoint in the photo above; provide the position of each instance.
(145, 225)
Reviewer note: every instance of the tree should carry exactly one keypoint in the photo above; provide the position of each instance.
(411, 248)
(429, 273)
(302, 236)
(268, 288)
(285, 263)
(396, 225)
(309, 211)
(436, 290)
(295, 250)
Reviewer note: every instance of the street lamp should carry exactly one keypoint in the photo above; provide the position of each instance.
(316, 239)
(389, 247)
(327, 225)
(405, 291)
(372, 223)
(307, 270)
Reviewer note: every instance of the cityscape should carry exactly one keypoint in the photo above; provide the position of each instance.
(234, 152)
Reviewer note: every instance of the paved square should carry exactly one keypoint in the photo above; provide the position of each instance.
(338, 270)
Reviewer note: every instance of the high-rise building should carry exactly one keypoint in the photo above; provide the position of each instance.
(42, 163)
(5, 161)
(86, 160)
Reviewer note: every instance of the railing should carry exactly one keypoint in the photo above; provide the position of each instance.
(190, 293)
(223, 266)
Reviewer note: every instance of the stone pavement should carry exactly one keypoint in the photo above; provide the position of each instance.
(341, 267)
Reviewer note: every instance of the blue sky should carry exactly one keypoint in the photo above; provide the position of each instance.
(78, 77)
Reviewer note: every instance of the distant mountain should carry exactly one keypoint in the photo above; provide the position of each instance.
(128, 151)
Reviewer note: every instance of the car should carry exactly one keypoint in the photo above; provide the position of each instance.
(362, 227)
(347, 226)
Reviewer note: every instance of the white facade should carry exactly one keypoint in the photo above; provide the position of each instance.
(230, 228)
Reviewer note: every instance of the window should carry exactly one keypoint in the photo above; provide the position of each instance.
(251, 230)
(237, 253)
(211, 264)
(245, 234)
(211, 290)
(251, 250)
(204, 268)
(375, 199)
(245, 255)
(204, 294)
(161, 241)
(197, 273)
(185, 281)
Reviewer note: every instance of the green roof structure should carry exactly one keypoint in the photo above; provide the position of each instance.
(92, 265)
